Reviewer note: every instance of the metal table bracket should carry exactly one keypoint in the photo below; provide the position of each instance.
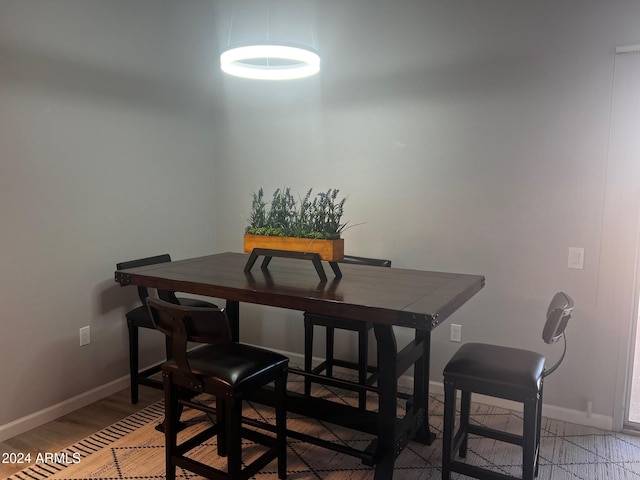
(269, 253)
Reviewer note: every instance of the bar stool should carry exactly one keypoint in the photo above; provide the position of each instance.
(227, 370)
(502, 372)
(367, 374)
(139, 318)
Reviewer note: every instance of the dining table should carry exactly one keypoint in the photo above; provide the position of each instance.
(389, 298)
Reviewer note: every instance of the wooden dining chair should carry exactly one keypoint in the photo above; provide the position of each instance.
(139, 318)
(502, 372)
(227, 370)
(367, 374)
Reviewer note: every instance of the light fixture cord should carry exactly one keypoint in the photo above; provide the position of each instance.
(230, 27)
(268, 26)
(268, 19)
(313, 38)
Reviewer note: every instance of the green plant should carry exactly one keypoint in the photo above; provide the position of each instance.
(287, 217)
(258, 217)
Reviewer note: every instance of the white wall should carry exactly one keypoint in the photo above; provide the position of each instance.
(470, 137)
(105, 157)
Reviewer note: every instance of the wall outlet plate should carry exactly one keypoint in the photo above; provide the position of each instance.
(85, 336)
(456, 333)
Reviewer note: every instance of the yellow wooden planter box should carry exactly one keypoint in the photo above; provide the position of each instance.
(329, 250)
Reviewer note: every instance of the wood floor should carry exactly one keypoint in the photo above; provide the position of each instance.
(68, 429)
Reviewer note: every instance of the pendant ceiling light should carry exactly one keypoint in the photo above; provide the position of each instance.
(281, 56)
(270, 61)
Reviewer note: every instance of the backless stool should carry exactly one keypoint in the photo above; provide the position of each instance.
(139, 318)
(502, 372)
(367, 374)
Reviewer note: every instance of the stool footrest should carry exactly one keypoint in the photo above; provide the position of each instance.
(479, 472)
(198, 439)
(325, 364)
(496, 434)
(150, 382)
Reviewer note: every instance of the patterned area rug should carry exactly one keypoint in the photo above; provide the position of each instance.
(133, 449)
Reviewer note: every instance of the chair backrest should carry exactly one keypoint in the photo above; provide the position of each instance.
(188, 324)
(143, 293)
(558, 315)
(376, 262)
(197, 324)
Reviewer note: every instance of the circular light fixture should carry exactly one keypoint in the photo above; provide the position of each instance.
(270, 62)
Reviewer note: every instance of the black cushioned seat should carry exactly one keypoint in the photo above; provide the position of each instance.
(502, 372)
(233, 366)
(491, 368)
(139, 318)
(227, 370)
(367, 374)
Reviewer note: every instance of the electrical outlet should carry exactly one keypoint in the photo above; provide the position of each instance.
(456, 333)
(85, 336)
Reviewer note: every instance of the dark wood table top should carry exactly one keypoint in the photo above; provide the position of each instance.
(392, 296)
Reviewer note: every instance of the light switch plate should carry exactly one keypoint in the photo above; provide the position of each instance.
(576, 257)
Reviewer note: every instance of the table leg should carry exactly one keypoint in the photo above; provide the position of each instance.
(421, 387)
(388, 401)
(233, 314)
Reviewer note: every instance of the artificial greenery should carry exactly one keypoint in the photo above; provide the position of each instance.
(285, 216)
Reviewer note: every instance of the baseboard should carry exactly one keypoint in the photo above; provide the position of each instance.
(49, 414)
(595, 420)
(550, 411)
